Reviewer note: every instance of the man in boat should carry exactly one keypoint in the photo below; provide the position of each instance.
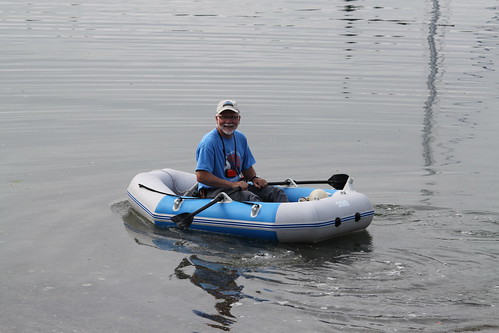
(224, 161)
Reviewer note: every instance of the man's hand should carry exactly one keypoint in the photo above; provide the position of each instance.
(259, 182)
(242, 184)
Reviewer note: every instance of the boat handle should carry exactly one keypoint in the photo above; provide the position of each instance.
(255, 209)
(177, 203)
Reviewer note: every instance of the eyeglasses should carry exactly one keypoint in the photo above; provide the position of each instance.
(229, 117)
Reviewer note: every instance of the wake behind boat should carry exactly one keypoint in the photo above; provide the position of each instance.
(160, 196)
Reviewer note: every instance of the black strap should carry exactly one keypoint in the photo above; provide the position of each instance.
(172, 195)
(235, 149)
(179, 196)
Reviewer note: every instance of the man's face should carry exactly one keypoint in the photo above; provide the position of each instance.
(227, 121)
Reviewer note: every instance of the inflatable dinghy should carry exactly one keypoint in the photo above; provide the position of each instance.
(312, 215)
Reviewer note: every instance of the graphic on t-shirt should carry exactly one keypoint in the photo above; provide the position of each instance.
(232, 165)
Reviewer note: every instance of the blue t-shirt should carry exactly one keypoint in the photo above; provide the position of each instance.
(210, 155)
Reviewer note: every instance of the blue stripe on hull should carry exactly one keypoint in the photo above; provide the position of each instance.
(220, 227)
(140, 204)
(250, 233)
(202, 223)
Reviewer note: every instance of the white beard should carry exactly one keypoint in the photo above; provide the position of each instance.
(228, 130)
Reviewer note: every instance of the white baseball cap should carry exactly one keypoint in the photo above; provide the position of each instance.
(227, 104)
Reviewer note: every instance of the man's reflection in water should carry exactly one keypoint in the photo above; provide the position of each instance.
(217, 280)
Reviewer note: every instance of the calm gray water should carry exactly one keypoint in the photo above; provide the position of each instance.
(401, 95)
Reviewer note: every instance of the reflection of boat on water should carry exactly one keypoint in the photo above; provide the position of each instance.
(220, 264)
(236, 249)
(160, 195)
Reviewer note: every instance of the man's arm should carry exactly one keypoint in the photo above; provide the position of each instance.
(210, 179)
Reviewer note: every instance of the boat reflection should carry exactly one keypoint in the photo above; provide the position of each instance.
(233, 249)
(220, 265)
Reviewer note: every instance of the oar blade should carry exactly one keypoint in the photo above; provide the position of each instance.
(183, 221)
(338, 181)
